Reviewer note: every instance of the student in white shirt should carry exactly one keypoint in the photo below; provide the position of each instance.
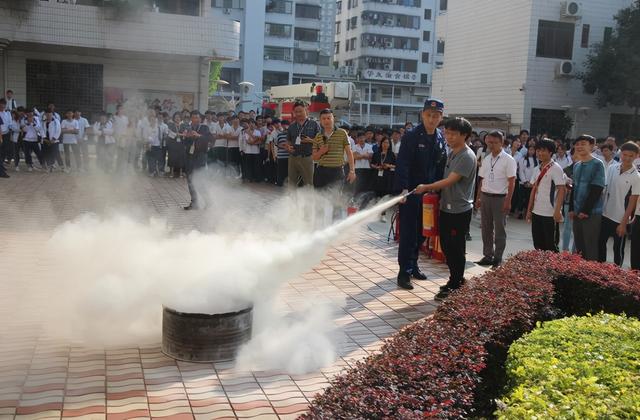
(561, 157)
(105, 142)
(70, 129)
(396, 141)
(51, 142)
(620, 200)
(233, 144)
(526, 166)
(362, 154)
(252, 137)
(83, 125)
(547, 197)
(152, 131)
(497, 179)
(220, 131)
(5, 134)
(120, 133)
(31, 140)
(10, 101)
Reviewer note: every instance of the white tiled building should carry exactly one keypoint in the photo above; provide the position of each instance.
(388, 47)
(282, 42)
(512, 64)
(91, 54)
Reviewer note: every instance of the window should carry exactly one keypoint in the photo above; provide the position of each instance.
(277, 30)
(225, 4)
(354, 22)
(338, 28)
(405, 65)
(305, 56)
(424, 78)
(391, 20)
(425, 57)
(620, 126)
(274, 78)
(426, 36)
(608, 32)
(348, 24)
(352, 3)
(555, 39)
(427, 14)
(336, 47)
(277, 53)
(443, 5)
(279, 6)
(549, 121)
(307, 11)
(307, 35)
(180, 7)
(584, 42)
(338, 7)
(353, 41)
(440, 46)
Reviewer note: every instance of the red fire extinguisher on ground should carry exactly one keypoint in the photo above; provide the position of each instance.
(430, 213)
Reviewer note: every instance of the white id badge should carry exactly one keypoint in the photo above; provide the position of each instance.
(298, 141)
(192, 149)
(491, 178)
(380, 172)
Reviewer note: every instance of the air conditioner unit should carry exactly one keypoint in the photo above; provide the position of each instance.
(388, 44)
(566, 68)
(571, 9)
(226, 11)
(387, 66)
(346, 71)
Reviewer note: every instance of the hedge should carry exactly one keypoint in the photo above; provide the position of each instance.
(578, 367)
(451, 365)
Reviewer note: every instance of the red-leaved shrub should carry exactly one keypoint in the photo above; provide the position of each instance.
(451, 365)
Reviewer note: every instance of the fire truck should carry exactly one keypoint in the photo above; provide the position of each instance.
(338, 96)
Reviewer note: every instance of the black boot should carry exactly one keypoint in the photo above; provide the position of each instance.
(404, 280)
(417, 274)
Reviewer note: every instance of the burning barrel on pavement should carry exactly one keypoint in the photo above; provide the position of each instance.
(195, 337)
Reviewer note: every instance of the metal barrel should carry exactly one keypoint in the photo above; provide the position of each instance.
(193, 337)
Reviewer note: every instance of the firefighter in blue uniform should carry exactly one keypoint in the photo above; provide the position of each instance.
(421, 160)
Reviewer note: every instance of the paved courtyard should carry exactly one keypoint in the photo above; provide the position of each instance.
(42, 376)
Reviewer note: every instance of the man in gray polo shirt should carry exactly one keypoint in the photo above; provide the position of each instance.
(300, 137)
(456, 201)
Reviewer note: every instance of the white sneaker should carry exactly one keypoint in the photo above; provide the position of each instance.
(67, 170)
(383, 219)
(17, 169)
(30, 169)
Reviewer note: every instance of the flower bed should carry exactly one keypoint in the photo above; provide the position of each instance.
(452, 364)
(578, 367)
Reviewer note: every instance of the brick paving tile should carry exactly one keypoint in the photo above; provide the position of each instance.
(42, 377)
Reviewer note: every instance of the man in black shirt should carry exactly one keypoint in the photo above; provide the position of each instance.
(196, 142)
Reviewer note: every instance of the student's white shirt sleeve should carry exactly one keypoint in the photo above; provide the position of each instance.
(512, 168)
(557, 175)
(534, 175)
(635, 185)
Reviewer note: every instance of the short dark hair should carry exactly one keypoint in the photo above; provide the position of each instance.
(299, 103)
(195, 112)
(586, 137)
(3, 101)
(459, 124)
(326, 111)
(524, 132)
(546, 144)
(606, 146)
(495, 134)
(9, 91)
(630, 147)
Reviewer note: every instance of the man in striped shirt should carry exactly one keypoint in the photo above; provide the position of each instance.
(329, 147)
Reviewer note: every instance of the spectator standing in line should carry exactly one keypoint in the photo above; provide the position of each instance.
(51, 142)
(300, 138)
(561, 157)
(196, 138)
(384, 165)
(105, 142)
(233, 145)
(10, 101)
(120, 127)
(282, 154)
(586, 198)
(547, 197)
(497, 178)
(175, 146)
(620, 201)
(70, 130)
(6, 148)
(456, 201)
(329, 147)
(396, 142)
(31, 130)
(525, 171)
(362, 155)
(83, 125)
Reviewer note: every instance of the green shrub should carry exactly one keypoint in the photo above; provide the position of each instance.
(575, 368)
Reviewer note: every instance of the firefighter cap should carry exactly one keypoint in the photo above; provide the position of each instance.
(433, 103)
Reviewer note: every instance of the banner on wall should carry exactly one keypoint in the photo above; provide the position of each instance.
(169, 102)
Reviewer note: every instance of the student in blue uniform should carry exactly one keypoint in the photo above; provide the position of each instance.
(420, 161)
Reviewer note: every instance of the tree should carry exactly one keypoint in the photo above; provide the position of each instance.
(612, 67)
(215, 69)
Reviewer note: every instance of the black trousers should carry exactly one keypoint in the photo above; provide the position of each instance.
(411, 238)
(325, 177)
(453, 230)
(607, 230)
(194, 164)
(155, 160)
(28, 148)
(6, 149)
(545, 233)
(252, 167)
(282, 171)
(635, 245)
(51, 154)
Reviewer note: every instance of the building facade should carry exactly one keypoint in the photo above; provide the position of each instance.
(387, 48)
(94, 54)
(282, 42)
(515, 64)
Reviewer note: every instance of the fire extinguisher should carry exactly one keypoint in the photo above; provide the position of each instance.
(352, 208)
(430, 210)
